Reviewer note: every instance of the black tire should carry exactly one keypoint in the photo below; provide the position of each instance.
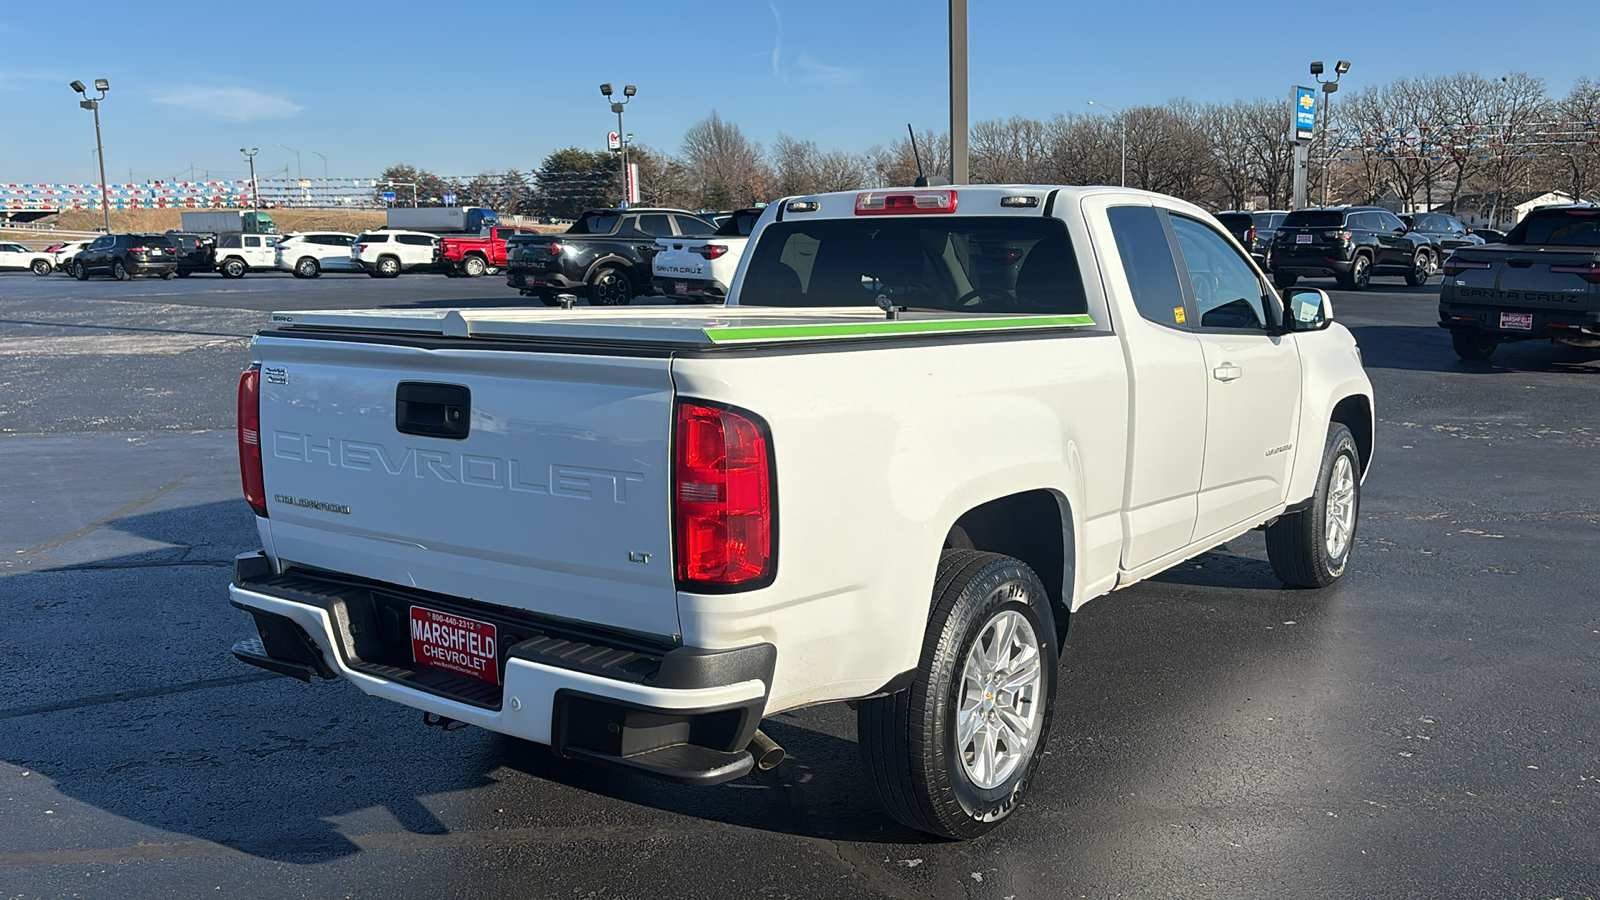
(76, 270)
(233, 267)
(547, 298)
(185, 273)
(909, 739)
(1311, 548)
(388, 267)
(168, 276)
(119, 271)
(41, 267)
(1360, 274)
(474, 267)
(610, 286)
(1284, 280)
(1421, 268)
(1473, 345)
(307, 267)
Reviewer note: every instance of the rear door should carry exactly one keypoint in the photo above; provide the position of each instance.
(533, 481)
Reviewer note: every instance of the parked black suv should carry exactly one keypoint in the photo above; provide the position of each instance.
(1253, 228)
(1351, 243)
(196, 252)
(123, 256)
(605, 254)
(1447, 231)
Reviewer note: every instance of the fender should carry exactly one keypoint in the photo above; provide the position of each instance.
(610, 258)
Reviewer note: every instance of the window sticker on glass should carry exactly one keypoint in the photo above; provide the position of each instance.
(1178, 315)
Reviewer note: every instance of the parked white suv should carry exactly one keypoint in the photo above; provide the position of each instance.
(385, 254)
(310, 253)
(17, 256)
(241, 253)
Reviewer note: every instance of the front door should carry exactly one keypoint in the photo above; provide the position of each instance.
(1252, 383)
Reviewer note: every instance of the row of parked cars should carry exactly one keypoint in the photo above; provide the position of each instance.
(1350, 243)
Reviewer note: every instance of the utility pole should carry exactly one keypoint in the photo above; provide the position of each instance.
(958, 91)
(255, 189)
(93, 103)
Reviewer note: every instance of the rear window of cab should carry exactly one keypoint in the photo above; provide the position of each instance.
(1559, 228)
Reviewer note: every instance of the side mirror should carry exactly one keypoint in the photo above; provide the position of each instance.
(1307, 309)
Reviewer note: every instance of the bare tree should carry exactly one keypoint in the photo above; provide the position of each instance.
(1013, 151)
(1579, 136)
(1235, 176)
(725, 167)
(798, 167)
(896, 166)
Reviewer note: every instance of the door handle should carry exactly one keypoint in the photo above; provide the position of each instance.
(1226, 372)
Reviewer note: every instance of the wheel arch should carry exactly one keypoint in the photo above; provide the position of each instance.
(1034, 526)
(612, 259)
(1355, 413)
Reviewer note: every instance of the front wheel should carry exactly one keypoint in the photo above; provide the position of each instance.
(307, 267)
(954, 753)
(119, 271)
(1311, 548)
(1473, 345)
(233, 268)
(1421, 268)
(76, 270)
(41, 267)
(1284, 280)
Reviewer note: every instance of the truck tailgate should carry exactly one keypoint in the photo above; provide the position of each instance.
(1537, 277)
(553, 498)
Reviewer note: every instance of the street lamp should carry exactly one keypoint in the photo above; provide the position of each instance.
(1124, 120)
(255, 189)
(1328, 87)
(324, 164)
(628, 91)
(93, 103)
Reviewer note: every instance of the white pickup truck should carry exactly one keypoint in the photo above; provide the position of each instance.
(927, 426)
(700, 270)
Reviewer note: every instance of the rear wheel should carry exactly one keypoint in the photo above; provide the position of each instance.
(1284, 279)
(41, 267)
(1473, 345)
(610, 287)
(168, 275)
(388, 267)
(1311, 548)
(307, 267)
(474, 267)
(1360, 274)
(1421, 268)
(954, 753)
(185, 273)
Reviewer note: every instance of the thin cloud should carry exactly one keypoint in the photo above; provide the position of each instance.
(777, 44)
(233, 104)
(813, 72)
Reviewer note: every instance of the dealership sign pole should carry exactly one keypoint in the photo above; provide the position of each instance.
(1303, 123)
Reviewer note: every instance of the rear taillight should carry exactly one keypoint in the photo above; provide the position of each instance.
(137, 249)
(1589, 273)
(881, 203)
(1453, 266)
(255, 490)
(723, 498)
(1249, 237)
(1337, 235)
(709, 251)
(555, 248)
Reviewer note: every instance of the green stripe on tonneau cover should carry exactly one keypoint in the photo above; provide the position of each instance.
(889, 327)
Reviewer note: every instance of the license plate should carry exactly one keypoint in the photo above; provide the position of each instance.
(454, 643)
(1302, 239)
(1518, 321)
(680, 287)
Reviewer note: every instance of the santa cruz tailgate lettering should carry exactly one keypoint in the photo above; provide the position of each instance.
(455, 644)
(1521, 296)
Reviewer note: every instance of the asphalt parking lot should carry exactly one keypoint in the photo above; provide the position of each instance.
(1428, 728)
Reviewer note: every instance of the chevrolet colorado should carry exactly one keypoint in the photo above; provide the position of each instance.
(927, 427)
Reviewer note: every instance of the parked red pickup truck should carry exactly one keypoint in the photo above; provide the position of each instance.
(474, 255)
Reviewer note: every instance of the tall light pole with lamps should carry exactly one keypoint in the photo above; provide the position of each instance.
(1328, 87)
(628, 91)
(255, 189)
(1124, 120)
(93, 103)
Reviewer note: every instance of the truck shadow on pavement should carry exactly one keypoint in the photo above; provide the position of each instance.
(1426, 348)
(194, 754)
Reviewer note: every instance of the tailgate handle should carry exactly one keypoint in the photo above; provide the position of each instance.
(432, 410)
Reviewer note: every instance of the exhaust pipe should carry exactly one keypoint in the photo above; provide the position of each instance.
(766, 751)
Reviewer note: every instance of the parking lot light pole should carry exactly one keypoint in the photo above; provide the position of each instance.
(93, 104)
(255, 189)
(1124, 120)
(1328, 87)
(628, 91)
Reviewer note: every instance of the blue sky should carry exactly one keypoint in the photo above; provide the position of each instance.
(505, 84)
